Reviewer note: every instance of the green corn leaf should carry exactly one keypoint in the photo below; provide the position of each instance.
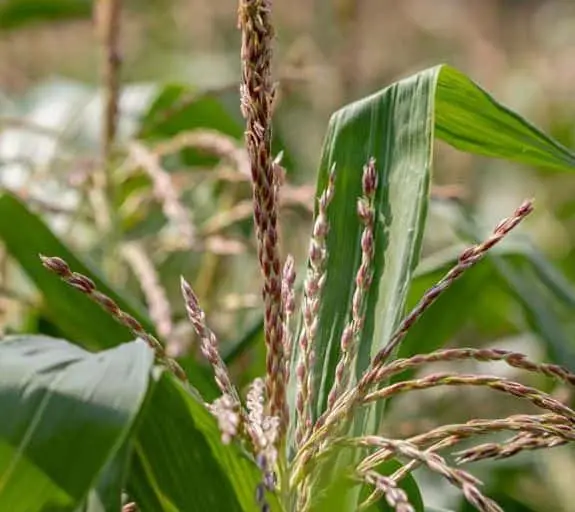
(18, 13)
(66, 413)
(107, 493)
(179, 437)
(397, 127)
(25, 236)
(469, 119)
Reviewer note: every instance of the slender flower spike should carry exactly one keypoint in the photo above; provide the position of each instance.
(342, 410)
(467, 259)
(225, 411)
(351, 334)
(394, 495)
(288, 299)
(85, 285)
(313, 286)
(264, 432)
(257, 96)
(468, 484)
(209, 343)
(521, 442)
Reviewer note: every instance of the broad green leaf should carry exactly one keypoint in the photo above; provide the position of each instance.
(25, 236)
(396, 127)
(471, 120)
(179, 108)
(66, 413)
(107, 493)
(180, 462)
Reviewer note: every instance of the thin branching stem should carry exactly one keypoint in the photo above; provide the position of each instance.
(155, 294)
(467, 259)
(468, 484)
(165, 192)
(513, 359)
(312, 293)
(387, 486)
(350, 338)
(343, 408)
(536, 397)
(450, 435)
(208, 343)
(85, 285)
(517, 444)
(109, 14)
(288, 299)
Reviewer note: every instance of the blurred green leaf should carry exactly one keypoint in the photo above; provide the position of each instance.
(66, 412)
(16, 13)
(26, 236)
(178, 436)
(180, 108)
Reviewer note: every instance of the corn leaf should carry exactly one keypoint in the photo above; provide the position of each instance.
(397, 126)
(25, 236)
(178, 436)
(66, 413)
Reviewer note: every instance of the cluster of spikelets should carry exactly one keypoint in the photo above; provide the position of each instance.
(293, 472)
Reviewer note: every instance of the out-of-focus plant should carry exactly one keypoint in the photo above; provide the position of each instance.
(121, 423)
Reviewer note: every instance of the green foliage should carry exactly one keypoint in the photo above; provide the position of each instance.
(76, 316)
(62, 405)
(152, 435)
(177, 437)
(396, 126)
(17, 13)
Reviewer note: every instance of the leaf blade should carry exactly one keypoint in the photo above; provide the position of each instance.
(470, 119)
(55, 396)
(88, 324)
(180, 437)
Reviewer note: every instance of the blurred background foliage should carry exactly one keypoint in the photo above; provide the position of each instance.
(180, 70)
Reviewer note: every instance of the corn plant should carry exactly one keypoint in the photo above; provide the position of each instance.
(125, 429)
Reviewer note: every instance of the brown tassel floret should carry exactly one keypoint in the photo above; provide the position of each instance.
(257, 96)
